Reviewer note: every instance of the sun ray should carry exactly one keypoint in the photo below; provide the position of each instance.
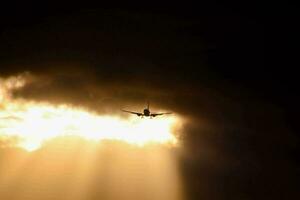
(75, 153)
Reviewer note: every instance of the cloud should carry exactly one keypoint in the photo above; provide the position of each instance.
(236, 144)
(224, 136)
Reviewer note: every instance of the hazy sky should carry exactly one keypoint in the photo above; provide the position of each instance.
(205, 64)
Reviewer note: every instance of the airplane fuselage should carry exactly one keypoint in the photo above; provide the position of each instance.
(146, 112)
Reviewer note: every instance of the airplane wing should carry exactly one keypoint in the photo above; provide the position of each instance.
(136, 113)
(155, 114)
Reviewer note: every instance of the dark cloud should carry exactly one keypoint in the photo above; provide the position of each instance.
(237, 143)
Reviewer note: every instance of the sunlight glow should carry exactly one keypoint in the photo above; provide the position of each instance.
(34, 123)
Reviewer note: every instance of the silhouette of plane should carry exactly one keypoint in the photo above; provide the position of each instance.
(146, 112)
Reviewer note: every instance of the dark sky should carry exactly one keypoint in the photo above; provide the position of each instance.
(204, 62)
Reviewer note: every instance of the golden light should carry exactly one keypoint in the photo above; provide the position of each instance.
(35, 122)
(89, 169)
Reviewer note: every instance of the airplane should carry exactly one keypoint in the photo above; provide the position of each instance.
(146, 112)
